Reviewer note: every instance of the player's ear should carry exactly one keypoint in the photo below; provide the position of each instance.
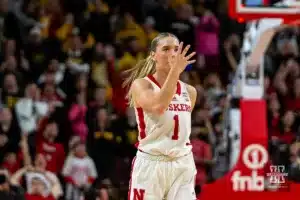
(152, 55)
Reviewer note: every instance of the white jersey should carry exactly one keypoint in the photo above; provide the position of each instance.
(167, 134)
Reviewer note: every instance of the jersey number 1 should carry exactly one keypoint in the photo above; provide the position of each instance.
(176, 127)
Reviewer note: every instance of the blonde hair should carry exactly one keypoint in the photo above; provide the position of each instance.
(144, 67)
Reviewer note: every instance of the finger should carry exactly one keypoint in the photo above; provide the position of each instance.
(186, 50)
(190, 55)
(170, 58)
(191, 61)
(180, 47)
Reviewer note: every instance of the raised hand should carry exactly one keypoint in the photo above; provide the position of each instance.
(181, 60)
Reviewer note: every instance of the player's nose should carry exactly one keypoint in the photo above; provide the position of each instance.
(173, 53)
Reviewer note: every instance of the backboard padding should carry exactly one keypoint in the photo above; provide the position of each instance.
(288, 10)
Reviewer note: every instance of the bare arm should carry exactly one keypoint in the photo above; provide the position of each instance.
(16, 177)
(154, 102)
(232, 62)
(262, 45)
(279, 81)
(231, 59)
(260, 49)
(56, 190)
(25, 151)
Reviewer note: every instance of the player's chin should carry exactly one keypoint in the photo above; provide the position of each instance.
(167, 66)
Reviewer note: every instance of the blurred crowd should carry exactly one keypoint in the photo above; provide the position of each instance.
(65, 129)
(282, 92)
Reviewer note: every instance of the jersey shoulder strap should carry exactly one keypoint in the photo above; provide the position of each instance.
(154, 85)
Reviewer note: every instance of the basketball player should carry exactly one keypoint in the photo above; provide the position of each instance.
(164, 167)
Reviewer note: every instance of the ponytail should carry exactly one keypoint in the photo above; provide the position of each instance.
(142, 69)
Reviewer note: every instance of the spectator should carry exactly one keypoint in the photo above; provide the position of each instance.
(213, 87)
(36, 51)
(75, 52)
(77, 116)
(182, 27)
(79, 172)
(286, 42)
(131, 29)
(10, 49)
(100, 15)
(218, 108)
(54, 68)
(149, 29)
(99, 101)
(285, 76)
(52, 94)
(8, 191)
(30, 109)
(10, 133)
(131, 132)
(231, 46)
(10, 27)
(11, 91)
(286, 131)
(295, 162)
(163, 14)
(292, 101)
(49, 83)
(46, 145)
(133, 53)
(202, 156)
(99, 67)
(38, 189)
(38, 170)
(274, 114)
(11, 162)
(10, 66)
(102, 144)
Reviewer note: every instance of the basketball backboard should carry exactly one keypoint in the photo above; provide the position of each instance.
(256, 9)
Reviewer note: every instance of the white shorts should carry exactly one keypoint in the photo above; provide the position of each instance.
(162, 178)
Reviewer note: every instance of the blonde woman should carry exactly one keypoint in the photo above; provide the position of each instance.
(164, 166)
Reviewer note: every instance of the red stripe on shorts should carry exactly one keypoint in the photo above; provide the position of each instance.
(130, 182)
(142, 125)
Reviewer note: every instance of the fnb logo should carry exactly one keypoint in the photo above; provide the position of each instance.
(254, 157)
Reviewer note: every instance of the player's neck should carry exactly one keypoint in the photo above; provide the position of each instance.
(161, 76)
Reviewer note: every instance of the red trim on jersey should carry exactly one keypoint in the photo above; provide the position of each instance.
(142, 125)
(130, 182)
(151, 77)
(137, 145)
(178, 89)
